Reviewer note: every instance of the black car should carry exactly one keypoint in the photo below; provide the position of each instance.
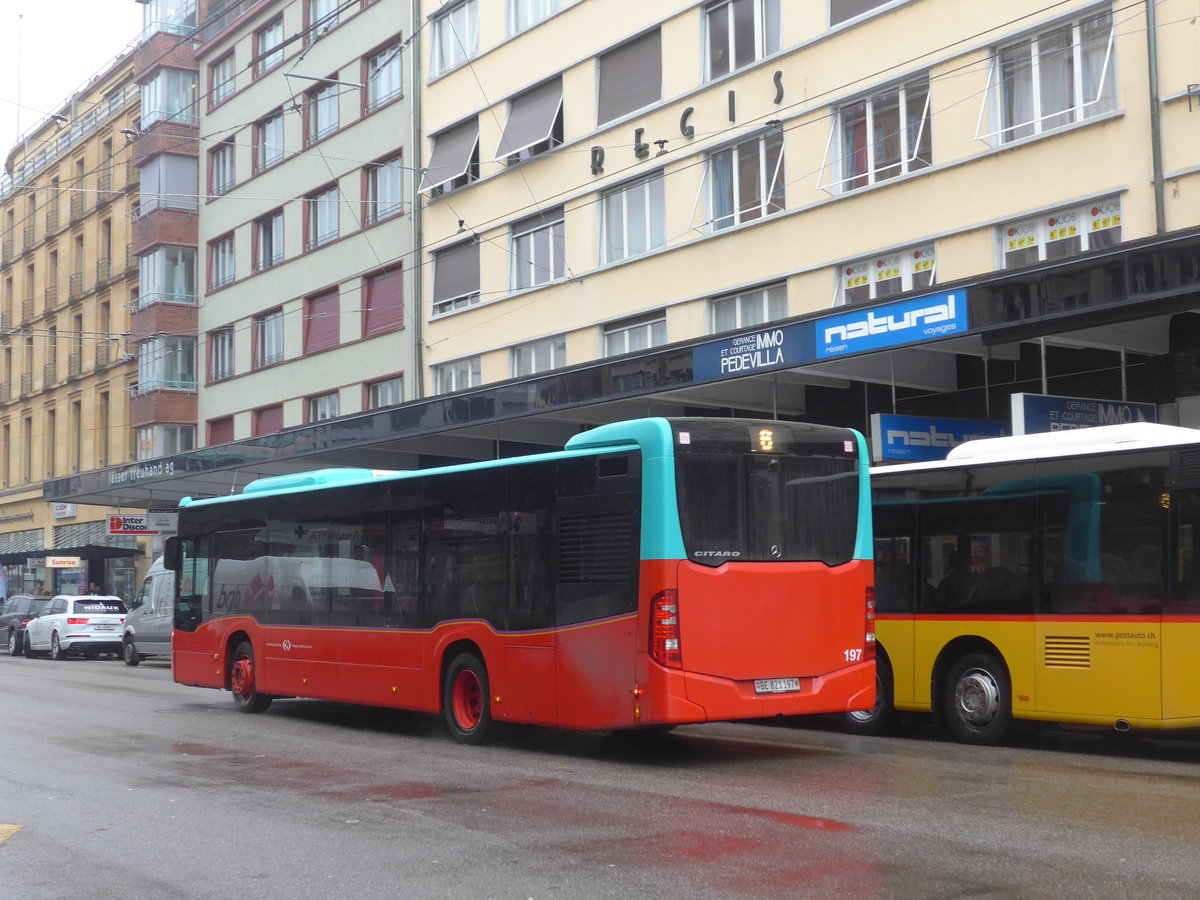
(19, 609)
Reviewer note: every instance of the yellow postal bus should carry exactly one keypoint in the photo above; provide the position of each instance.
(1049, 577)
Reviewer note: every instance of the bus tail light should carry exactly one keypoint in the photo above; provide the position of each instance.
(664, 629)
(869, 637)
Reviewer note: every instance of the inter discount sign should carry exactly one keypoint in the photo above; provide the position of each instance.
(129, 525)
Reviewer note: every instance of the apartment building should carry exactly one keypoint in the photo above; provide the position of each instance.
(832, 213)
(306, 232)
(67, 279)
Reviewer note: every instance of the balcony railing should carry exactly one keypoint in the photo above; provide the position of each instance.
(131, 261)
(75, 286)
(103, 270)
(52, 220)
(77, 206)
(5, 391)
(27, 309)
(75, 364)
(6, 321)
(104, 183)
(6, 250)
(104, 353)
(28, 234)
(133, 174)
(26, 384)
(49, 374)
(52, 297)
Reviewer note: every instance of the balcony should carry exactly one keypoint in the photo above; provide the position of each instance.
(104, 353)
(75, 364)
(49, 374)
(28, 235)
(6, 321)
(6, 250)
(103, 270)
(75, 286)
(52, 297)
(27, 310)
(26, 387)
(133, 175)
(5, 391)
(78, 206)
(131, 260)
(52, 221)
(104, 183)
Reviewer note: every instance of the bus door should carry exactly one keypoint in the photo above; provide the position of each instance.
(1099, 631)
(1181, 614)
(899, 589)
(530, 642)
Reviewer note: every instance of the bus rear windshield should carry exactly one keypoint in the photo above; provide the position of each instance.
(767, 492)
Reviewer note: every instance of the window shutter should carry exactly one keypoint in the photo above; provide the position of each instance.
(385, 302)
(321, 322)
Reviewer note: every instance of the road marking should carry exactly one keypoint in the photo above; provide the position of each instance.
(7, 831)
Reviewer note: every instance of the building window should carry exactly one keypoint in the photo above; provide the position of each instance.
(457, 376)
(323, 407)
(1056, 77)
(454, 160)
(170, 96)
(167, 363)
(220, 354)
(165, 440)
(167, 275)
(885, 135)
(322, 211)
(269, 42)
(383, 189)
(535, 123)
(220, 262)
(748, 308)
(383, 77)
(538, 249)
(322, 17)
(523, 14)
(268, 241)
(268, 338)
(221, 77)
(633, 218)
(220, 169)
(539, 356)
(321, 112)
(746, 181)
(738, 32)
(172, 16)
(842, 10)
(639, 333)
(887, 275)
(384, 309)
(322, 321)
(220, 431)
(268, 142)
(455, 37)
(1061, 233)
(455, 277)
(268, 420)
(168, 182)
(388, 392)
(630, 77)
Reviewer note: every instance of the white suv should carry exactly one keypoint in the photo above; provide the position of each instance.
(87, 624)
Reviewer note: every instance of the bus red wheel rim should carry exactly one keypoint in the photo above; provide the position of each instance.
(243, 677)
(468, 699)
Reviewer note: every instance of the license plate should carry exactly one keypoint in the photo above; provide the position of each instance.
(776, 685)
(106, 627)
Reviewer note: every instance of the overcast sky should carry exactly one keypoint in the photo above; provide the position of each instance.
(62, 44)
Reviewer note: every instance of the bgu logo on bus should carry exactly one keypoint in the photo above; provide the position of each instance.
(128, 525)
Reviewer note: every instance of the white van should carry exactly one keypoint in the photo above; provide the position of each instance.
(148, 623)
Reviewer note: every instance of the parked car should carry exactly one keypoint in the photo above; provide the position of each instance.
(148, 625)
(86, 623)
(19, 609)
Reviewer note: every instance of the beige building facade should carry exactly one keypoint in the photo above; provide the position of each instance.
(67, 279)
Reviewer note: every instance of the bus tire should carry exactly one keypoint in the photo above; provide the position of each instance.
(243, 681)
(465, 699)
(977, 699)
(881, 718)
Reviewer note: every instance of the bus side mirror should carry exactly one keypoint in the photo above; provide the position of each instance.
(171, 554)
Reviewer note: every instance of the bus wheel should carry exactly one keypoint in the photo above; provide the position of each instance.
(246, 697)
(465, 699)
(978, 699)
(880, 718)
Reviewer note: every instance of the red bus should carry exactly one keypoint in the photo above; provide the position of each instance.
(654, 572)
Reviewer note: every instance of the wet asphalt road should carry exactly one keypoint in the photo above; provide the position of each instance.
(127, 785)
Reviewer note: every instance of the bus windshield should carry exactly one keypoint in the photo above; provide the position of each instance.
(789, 496)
